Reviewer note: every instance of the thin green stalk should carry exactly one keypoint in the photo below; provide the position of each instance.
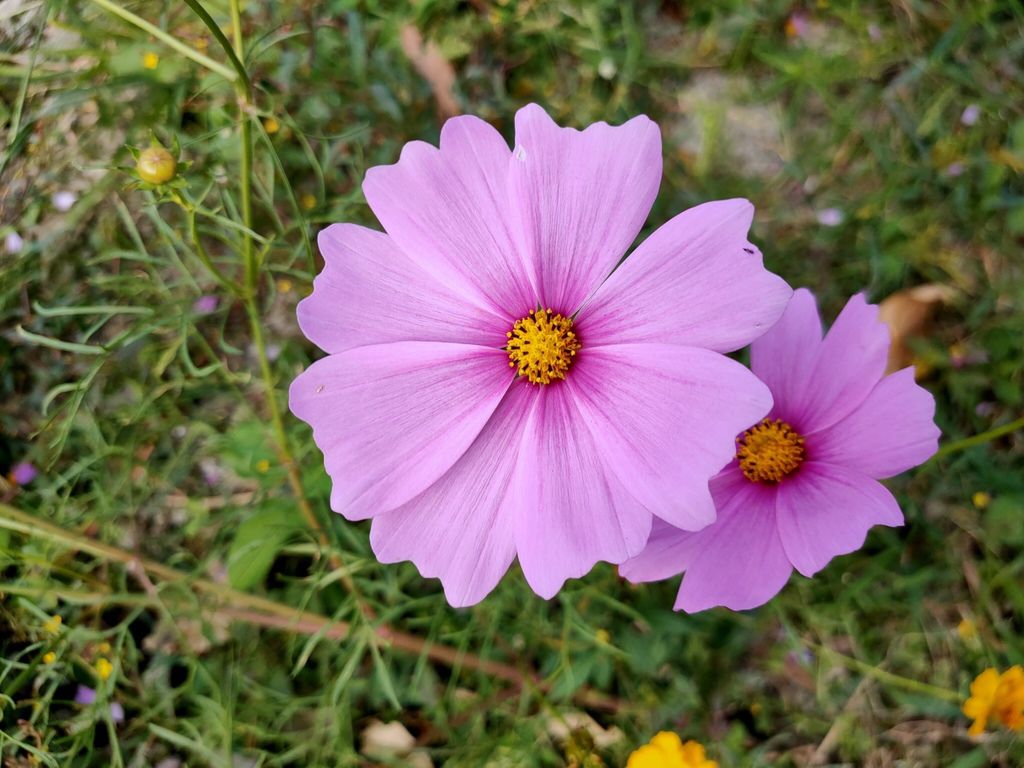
(906, 683)
(169, 40)
(984, 437)
(234, 55)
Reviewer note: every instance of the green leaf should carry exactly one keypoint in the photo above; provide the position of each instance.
(260, 537)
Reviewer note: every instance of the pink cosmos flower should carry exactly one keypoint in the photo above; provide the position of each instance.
(803, 487)
(493, 388)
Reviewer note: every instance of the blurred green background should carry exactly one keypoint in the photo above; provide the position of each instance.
(148, 336)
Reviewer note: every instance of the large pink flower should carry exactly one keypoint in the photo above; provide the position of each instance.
(804, 486)
(617, 404)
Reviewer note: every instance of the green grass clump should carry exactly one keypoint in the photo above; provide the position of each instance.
(179, 525)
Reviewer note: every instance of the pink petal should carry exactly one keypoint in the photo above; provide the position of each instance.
(371, 292)
(739, 562)
(462, 528)
(572, 510)
(392, 419)
(784, 357)
(447, 209)
(696, 281)
(665, 420)
(824, 510)
(850, 362)
(667, 553)
(580, 198)
(888, 433)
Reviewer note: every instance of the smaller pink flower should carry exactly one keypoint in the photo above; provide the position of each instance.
(205, 304)
(24, 473)
(803, 487)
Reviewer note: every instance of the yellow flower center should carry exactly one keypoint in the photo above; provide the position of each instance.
(770, 451)
(541, 346)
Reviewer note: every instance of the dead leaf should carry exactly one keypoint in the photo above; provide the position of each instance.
(559, 729)
(426, 57)
(908, 314)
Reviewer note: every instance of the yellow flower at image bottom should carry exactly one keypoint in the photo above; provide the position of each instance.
(667, 750)
(996, 698)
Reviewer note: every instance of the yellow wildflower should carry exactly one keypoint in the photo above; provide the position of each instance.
(981, 499)
(284, 285)
(996, 697)
(103, 668)
(1010, 699)
(49, 657)
(967, 629)
(308, 201)
(271, 126)
(603, 636)
(262, 466)
(52, 625)
(150, 60)
(103, 647)
(667, 750)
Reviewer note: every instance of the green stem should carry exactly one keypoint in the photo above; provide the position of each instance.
(984, 437)
(169, 40)
(898, 681)
(232, 54)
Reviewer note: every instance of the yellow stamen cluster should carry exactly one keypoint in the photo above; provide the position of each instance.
(541, 346)
(667, 750)
(770, 451)
(996, 697)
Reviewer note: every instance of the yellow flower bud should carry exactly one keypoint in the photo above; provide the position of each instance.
(981, 499)
(49, 657)
(262, 466)
(271, 126)
(52, 625)
(150, 60)
(155, 165)
(103, 669)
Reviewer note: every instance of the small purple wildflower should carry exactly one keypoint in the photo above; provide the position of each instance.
(955, 169)
(211, 471)
(796, 24)
(970, 114)
(13, 242)
(830, 217)
(875, 33)
(204, 305)
(23, 473)
(86, 696)
(63, 200)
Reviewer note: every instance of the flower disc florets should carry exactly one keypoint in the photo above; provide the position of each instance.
(542, 345)
(770, 451)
